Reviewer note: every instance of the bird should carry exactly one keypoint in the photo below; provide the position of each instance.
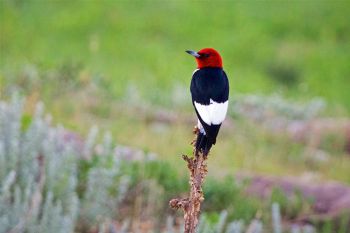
(210, 94)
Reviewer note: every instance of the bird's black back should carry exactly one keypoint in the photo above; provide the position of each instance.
(209, 83)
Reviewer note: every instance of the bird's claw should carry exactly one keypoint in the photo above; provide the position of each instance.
(195, 130)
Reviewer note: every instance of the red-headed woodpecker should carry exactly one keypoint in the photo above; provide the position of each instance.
(210, 91)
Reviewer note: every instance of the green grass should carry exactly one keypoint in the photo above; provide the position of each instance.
(142, 43)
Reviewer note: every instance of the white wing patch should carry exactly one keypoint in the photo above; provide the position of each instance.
(217, 112)
(214, 113)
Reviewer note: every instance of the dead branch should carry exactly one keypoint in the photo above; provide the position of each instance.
(191, 206)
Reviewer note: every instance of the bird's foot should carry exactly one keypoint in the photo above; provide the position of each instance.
(193, 142)
(205, 154)
(196, 152)
(195, 130)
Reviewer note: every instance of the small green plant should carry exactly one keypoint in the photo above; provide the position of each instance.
(226, 194)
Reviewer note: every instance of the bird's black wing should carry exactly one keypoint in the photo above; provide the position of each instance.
(199, 93)
(199, 87)
(220, 92)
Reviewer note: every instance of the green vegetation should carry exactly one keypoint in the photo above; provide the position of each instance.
(51, 181)
(121, 65)
(298, 48)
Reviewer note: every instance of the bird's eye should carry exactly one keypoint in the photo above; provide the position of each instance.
(204, 54)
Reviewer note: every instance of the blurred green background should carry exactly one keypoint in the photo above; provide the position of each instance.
(99, 62)
(300, 48)
(121, 65)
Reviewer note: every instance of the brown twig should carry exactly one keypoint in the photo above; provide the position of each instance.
(191, 206)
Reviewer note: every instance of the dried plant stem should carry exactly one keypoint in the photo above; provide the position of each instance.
(191, 206)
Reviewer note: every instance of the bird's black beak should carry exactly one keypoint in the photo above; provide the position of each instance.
(193, 53)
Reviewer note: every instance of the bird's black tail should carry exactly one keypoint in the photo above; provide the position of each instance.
(206, 140)
(203, 143)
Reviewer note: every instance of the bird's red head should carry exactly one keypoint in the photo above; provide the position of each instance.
(207, 57)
